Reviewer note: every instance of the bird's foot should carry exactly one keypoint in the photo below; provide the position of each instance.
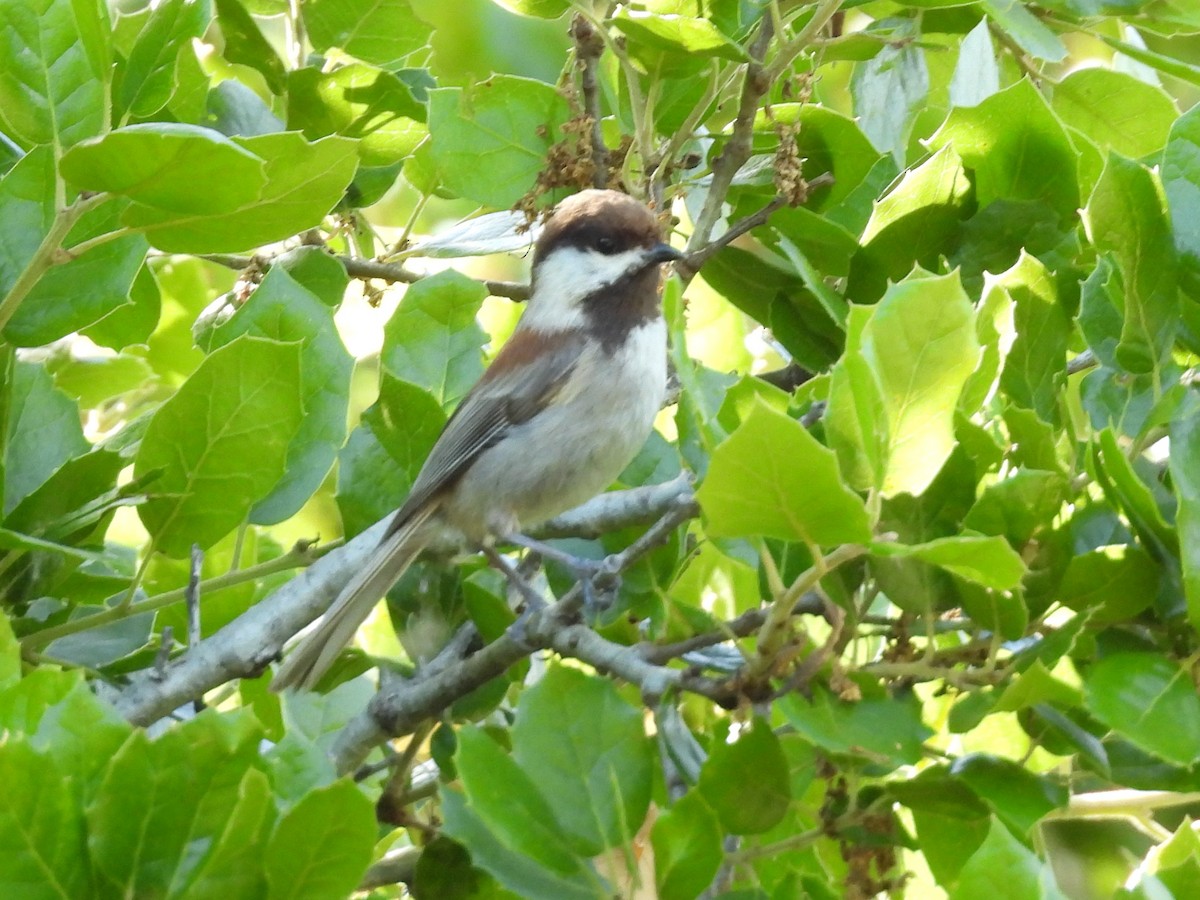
(533, 601)
(597, 580)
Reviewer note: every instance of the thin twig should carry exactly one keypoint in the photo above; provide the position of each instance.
(588, 47)
(371, 268)
(302, 554)
(191, 597)
(691, 263)
(803, 38)
(745, 624)
(737, 149)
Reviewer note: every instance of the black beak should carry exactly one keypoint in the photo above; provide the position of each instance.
(663, 253)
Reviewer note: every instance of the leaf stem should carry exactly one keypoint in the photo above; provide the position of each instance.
(91, 243)
(46, 255)
(803, 38)
(772, 634)
(299, 556)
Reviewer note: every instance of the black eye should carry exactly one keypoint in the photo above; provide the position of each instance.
(606, 245)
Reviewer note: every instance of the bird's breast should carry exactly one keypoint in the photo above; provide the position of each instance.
(573, 449)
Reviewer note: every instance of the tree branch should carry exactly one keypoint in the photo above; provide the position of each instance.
(401, 706)
(588, 47)
(737, 149)
(691, 263)
(244, 647)
(394, 273)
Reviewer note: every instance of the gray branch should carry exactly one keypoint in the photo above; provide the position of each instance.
(370, 268)
(246, 646)
(401, 706)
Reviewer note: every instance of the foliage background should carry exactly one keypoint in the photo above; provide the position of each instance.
(927, 626)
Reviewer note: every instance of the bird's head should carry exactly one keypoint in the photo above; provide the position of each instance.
(600, 251)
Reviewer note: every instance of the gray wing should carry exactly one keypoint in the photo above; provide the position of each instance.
(510, 392)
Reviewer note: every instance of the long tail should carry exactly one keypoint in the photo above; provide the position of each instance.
(313, 656)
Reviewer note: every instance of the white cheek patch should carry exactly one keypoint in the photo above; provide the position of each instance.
(567, 276)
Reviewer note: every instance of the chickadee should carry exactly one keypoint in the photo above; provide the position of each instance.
(560, 412)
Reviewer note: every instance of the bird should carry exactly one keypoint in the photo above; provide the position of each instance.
(563, 408)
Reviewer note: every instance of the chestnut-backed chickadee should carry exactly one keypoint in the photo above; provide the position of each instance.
(564, 407)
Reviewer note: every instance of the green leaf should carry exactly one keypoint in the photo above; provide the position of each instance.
(492, 850)
(590, 755)
(146, 841)
(675, 34)
(282, 310)
(880, 728)
(317, 271)
(10, 655)
(43, 844)
(1150, 701)
(26, 212)
(773, 294)
(134, 322)
(1020, 798)
(77, 730)
(489, 141)
(920, 345)
(543, 9)
(380, 461)
(234, 866)
(1115, 110)
(1026, 29)
(1017, 149)
(361, 102)
(506, 800)
(54, 82)
(1125, 216)
(747, 783)
(951, 820)
(1181, 183)
(976, 74)
(1185, 474)
(171, 167)
(914, 223)
(322, 845)
(1019, 506)
(1036, 367)
(1121, 483)
(105, 644)
(687, 848)
(1166, 64)
(44, 431)
(235, 110)
(304, 182)
(444, 870)
(94, 380)
(855, 418)
(1003, 860)
(245, 44)
(221, 442)
(1115, 582)
(382, 32)
(189, 100)
(987, 561)
(995, 331)
(147, 80)
(1034, 686)
(432, 339)
(889, 90)
(82, 291)
(771, 477)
